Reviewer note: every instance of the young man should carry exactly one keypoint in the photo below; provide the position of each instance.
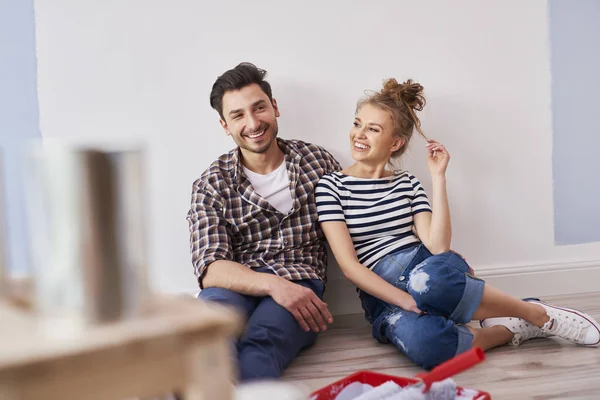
(254, 237)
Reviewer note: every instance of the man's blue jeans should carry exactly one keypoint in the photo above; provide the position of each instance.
(272, 337)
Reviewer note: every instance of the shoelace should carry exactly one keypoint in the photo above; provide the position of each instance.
(517, 339)
(566, 328)
(527, 331)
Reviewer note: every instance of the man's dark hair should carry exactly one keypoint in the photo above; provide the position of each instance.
(242, 75)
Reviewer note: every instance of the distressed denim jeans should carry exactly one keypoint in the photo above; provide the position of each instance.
(443, 288)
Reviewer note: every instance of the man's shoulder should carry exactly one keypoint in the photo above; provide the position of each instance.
(314, 156)
(306, 147)
(218, 174)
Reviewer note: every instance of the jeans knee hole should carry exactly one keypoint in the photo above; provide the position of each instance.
(419, 281)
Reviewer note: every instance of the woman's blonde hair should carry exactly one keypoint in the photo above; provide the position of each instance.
(401, 100)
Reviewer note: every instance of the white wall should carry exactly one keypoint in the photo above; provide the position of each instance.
(144, 69)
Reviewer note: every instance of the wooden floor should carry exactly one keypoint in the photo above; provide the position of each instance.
(537, 369)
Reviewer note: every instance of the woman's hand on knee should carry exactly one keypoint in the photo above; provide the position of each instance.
(410, 305)
(471, 271)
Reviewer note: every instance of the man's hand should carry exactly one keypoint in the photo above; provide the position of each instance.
(303, 304)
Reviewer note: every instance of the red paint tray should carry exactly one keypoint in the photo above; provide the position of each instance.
(445, 370)
(374, 379)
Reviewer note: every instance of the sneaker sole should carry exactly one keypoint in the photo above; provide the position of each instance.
(576, 312)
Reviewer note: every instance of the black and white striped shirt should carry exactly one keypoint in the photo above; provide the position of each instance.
(378, 212)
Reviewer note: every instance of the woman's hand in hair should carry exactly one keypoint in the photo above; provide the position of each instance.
(438, 158)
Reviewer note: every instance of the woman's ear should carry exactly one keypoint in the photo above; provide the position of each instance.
(398, 143)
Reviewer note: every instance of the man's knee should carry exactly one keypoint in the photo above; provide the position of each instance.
(219, 295)
(265, 352)
(226, 297)
(272, 340)
(261, 353)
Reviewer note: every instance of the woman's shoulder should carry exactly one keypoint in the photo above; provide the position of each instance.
(404, 173)
(399, 174)
(330, 176)
(330, 179)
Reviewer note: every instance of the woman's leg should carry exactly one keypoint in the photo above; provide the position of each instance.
(573, 325)
(430, 340)
(441, 285)
(495, 303)
(488, 338)
(427, 340)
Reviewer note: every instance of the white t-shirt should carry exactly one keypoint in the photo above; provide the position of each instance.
(273, 187)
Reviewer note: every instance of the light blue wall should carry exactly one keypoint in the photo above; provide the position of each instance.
(18, 117)
(575, 65)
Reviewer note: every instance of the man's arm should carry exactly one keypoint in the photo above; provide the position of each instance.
(210, 237)
(239, 278)
(332, 163)
(300, 301)
(212, 253)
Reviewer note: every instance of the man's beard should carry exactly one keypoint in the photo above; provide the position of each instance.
(264, 146)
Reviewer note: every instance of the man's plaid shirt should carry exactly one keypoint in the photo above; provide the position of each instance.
(229, 221)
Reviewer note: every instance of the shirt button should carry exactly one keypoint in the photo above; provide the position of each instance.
(402, 278)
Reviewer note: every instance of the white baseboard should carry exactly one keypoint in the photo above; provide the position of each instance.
(520, 281)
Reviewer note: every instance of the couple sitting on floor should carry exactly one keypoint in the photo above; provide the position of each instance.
(260, 215)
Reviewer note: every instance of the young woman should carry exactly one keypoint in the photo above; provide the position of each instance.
(395, 247)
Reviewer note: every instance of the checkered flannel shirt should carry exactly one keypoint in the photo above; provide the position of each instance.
(229, 221)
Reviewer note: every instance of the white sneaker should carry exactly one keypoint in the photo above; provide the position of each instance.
(573, 325)
(522, 329)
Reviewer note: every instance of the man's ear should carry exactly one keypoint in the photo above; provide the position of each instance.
(276, 108)
(224, 125)
(398, 143)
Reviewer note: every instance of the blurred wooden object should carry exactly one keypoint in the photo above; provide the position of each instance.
(179, 344)
(18, 292)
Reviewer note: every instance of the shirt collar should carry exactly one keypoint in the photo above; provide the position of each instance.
(289, 149)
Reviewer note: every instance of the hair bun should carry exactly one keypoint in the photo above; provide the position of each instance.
(409, 93)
